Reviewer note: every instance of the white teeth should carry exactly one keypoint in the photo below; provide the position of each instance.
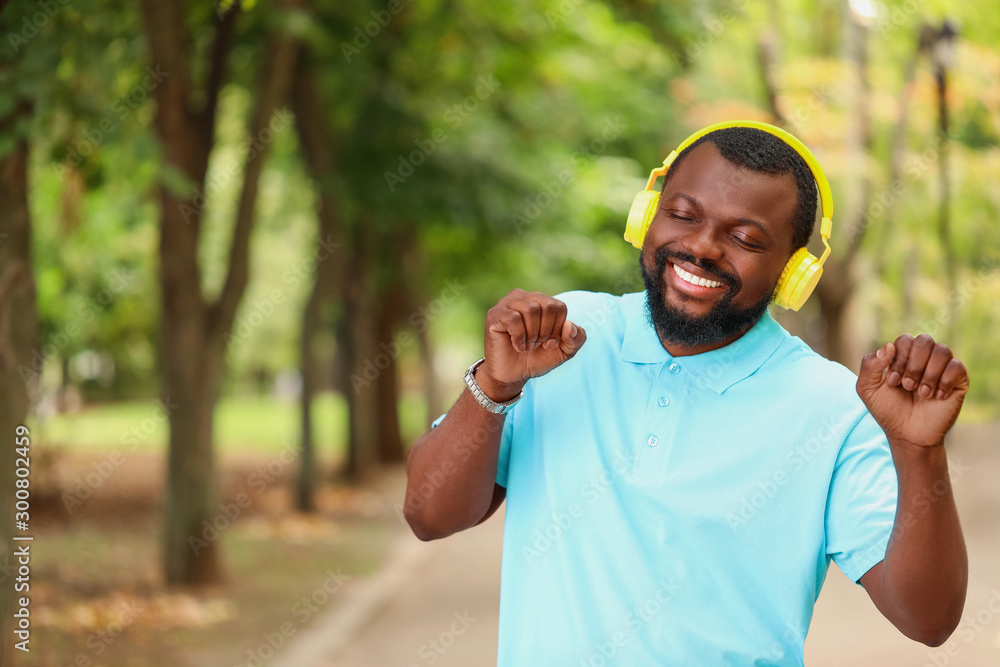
(693, 279)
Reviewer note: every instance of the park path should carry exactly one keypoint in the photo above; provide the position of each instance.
(436, 603)
(430, 603)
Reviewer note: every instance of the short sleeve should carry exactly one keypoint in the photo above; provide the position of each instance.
(506, 437)
(861, 506)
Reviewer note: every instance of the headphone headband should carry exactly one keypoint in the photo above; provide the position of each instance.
(823, 185)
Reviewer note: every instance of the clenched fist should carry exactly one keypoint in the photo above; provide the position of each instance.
(914, 389)
(527, 335)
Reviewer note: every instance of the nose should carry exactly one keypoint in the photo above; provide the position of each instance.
(702, 242)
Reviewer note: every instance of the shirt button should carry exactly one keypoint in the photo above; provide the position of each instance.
(664, 401)
(653, 440)
(675, 368)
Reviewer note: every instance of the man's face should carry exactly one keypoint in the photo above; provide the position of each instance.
(723, 225)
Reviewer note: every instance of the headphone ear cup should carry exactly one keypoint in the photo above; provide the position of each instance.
(798, 280)
(640, 216)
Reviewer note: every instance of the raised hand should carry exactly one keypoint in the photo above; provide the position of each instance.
(914, 388)
(527, 335)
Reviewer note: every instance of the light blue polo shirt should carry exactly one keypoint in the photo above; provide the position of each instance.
(683, 511)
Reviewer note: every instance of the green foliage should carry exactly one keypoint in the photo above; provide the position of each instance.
(495, 144)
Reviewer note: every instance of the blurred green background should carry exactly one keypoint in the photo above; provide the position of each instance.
(231, 230)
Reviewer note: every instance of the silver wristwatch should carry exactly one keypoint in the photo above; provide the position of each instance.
(484, 400)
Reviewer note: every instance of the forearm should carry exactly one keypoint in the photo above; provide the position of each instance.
(925, 571)
(451, 470)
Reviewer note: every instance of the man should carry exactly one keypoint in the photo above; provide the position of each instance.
(680, 471)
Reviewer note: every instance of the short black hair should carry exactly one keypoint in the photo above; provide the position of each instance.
(762, 151)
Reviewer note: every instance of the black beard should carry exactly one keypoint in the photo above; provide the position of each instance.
(720, 323)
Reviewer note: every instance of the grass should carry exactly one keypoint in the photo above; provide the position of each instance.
(242, 423)
(258, 424)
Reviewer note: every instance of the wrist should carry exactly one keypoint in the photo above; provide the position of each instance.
(493, 388)
(912, 459)
(916, 449)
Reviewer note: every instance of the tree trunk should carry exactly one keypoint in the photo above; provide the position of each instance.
(18, 338)
(944, 206)
(194, 331)
(363, 367)
(431, 390)
(414, 264)
(306, 488)
(390, 442)
(192, 554)
(897, 146)
(834, 292)
(316, 144)
(835, 289)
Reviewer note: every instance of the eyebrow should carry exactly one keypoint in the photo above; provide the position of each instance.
(747, 221)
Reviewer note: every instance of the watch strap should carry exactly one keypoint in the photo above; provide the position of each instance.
(488, 404)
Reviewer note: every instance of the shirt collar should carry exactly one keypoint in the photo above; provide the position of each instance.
(718, 369)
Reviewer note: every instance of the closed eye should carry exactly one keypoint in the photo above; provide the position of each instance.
(678, 216)
(747, 244)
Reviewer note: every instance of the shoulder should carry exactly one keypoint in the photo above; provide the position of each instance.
(582, 302)
(599, 313)
(809, 376)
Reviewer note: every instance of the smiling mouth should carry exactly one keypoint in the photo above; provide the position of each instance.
(692, 279)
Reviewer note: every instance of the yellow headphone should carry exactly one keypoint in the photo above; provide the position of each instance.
(803, 270)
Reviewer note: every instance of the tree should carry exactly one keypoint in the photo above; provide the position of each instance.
(317, 149)
(194, 328)
(18, 332)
